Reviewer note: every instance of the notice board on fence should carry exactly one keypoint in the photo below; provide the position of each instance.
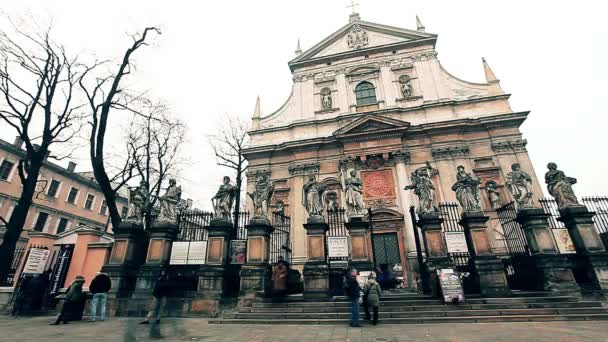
(179, 253)
(238, 251)
(188, 253)
(337, 246)
(456, 242)
(451, 288)
(36, 261)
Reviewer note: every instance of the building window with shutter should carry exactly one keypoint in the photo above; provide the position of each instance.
(53, 188)
(89, 202)
(72, 196)
(5, 169)
(41, 221)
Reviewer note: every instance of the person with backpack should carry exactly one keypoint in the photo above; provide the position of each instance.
(99, 287)
(371, 295)
(74, 301)
(353, 292)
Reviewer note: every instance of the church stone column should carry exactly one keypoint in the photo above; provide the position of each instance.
(298, 216)
(406, 199)
(436, 250)
(342, 92)
(387, 85)
(316, 270)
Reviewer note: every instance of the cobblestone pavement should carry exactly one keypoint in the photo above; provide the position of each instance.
(117, 329)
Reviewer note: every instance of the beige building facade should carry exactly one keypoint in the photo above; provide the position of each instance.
(376, 99)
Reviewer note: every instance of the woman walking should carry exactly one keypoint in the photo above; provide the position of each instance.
(372, 293)
(74, 299)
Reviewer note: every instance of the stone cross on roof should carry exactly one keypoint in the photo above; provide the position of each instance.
(352, 6)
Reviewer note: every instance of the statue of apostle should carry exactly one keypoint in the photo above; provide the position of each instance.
(560, 187)
(519, 184)
(138, 199)
(423, 188)
(169, 202)
(264, 189)
(354, 195)
(467, 190)
(312, 194)
(224, 199)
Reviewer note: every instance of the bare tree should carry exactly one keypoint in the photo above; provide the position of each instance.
(37, 83)
(105, 95)
(154, 140)
(228, 146)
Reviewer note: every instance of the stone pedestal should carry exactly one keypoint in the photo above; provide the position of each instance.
(360, 254)
(553, 270)
(591, 252)
(162, 235)
(316, 270)
(255, 274)
(128, 253)
(489, 270)
(436, 250)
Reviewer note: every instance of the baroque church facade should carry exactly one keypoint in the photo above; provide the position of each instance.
(376, 100)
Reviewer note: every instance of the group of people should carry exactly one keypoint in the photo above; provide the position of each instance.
(30, 294)
(75, 298)
(369, 295)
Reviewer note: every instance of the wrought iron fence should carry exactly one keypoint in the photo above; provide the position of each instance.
(550, 207)
(335, 220)
(17, 257)
(280, 243)
(514, 237)
(599, 205)
(450, 212)
(193, 225)
(241, 220)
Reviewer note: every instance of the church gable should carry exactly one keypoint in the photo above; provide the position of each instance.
(371, 125)
(360, 35)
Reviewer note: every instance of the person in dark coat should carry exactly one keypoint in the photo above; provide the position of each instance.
(24, 292)
(99, 287)
(73, 302)
(353, 292)
(372, 294)
(162, 288)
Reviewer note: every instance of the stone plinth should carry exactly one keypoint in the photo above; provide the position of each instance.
(360, 254)
(553, 270)
(316, 270)
(255, 274)
(128, 253)
(162, 235)
(436, 250)
(489, 270)
(591, 252)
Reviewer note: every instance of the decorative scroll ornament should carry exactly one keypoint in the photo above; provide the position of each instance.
(357, 37)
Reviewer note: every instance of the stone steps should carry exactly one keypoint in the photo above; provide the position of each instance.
(421, 320)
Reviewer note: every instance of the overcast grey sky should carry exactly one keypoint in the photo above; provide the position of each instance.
(215, 57)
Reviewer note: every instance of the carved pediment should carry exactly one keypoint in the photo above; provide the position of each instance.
(372, 125)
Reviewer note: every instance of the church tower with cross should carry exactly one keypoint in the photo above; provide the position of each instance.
(374, 101)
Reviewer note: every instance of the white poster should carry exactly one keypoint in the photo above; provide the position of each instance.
(564, 242)
(36, 261)
(179, 253)
(197, 253)
(456, 242)
(337, 247)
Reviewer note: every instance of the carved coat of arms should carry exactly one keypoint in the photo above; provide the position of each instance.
(357, 37)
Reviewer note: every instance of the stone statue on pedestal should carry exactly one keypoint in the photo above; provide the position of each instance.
(519, 184)
(224, 199)
(406, 86)
(423, 188)
(494, 195)
(354, 195)
(264, 189)
(169, 202)
(326, 101)
(560, 187)
(467, 190)
(138, 199)
(312, 194)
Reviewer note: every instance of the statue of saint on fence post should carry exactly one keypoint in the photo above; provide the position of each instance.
(169, 202)
(519, 184)
(224, 200)
(138, 199)
(467, 190)
(423, 187)
(312, 194)
(560, 187)
(262, 195)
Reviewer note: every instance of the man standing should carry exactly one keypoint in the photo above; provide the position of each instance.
(353, 292)
(99, 287)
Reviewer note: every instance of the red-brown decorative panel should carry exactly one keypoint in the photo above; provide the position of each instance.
(378, 184)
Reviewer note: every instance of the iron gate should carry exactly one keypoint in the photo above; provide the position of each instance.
(280, 242)
(17, 257)
(337, 265)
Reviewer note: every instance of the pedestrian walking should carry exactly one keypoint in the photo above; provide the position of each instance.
(99, 287)
(353, 292)
(371, 294)
(162, 287)
(24, 292)
(73, 303)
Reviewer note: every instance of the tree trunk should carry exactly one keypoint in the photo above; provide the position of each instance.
(106, 188)
(19, 216)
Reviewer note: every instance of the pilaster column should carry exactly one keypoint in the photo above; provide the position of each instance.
(255, 272)
(406, 200)
(316, 270)
(436, 250)
(591, 252)
(553, 270)
(128, 253)
(359, 233)
(489, 270)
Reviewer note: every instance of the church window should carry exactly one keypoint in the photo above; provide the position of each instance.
(365, 93)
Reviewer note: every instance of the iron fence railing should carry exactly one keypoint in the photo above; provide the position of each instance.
(450, 213)
(514, 237)
(280, 243)
(18, 255)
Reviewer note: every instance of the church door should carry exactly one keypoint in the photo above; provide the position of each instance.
(386, 250)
